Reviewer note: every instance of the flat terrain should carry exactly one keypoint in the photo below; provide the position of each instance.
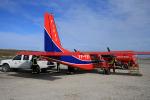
(81, 86)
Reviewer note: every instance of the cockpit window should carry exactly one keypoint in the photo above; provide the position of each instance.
(18, 57)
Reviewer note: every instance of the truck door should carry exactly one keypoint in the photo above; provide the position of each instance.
(16, 62)
(21, 61)
(26, 63)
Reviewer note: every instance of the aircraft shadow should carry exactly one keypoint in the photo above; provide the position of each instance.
(28, 74)
(127, 74)
(50, 75)
(53, 75)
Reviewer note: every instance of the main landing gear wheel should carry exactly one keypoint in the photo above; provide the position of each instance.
(5, 68)
(125, 66)
(107, 71)
(71, 70)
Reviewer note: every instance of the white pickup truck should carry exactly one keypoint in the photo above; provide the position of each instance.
(25, 62)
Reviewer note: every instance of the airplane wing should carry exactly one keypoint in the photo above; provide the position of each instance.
(42, 53)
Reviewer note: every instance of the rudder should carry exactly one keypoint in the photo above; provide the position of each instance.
(51, 38)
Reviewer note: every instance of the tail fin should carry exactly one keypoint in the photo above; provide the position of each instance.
(51, 38)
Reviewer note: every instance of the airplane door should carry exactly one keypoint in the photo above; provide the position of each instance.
(95, 59)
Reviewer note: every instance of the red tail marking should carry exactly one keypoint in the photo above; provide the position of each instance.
(51, 28)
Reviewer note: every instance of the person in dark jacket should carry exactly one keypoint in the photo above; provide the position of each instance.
(35, 68)
(58, 67)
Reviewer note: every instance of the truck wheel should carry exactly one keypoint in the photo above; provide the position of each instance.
(5, 68)
(125, 66)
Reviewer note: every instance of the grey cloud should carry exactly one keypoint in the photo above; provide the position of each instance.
(122, 24)
(126, 27)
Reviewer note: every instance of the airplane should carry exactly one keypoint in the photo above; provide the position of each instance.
(81, 60)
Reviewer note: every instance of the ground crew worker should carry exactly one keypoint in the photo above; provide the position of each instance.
(34, 65)
(112, 63)
(58, 67)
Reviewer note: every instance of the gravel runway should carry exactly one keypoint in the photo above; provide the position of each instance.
(81, 86)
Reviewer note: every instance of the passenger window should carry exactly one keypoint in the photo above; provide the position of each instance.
(18, 57)
(26, 57)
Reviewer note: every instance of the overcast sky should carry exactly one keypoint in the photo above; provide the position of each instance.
(82, 24)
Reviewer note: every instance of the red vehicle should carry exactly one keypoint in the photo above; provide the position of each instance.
(82, 60)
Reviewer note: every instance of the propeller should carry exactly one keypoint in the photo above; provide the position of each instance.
(108, 49)
(75, 50)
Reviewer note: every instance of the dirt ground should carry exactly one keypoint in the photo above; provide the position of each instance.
(84, 85)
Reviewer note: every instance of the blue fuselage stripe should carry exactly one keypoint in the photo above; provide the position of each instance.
(49, 44)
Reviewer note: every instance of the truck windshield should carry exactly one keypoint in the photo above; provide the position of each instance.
(18, 57)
